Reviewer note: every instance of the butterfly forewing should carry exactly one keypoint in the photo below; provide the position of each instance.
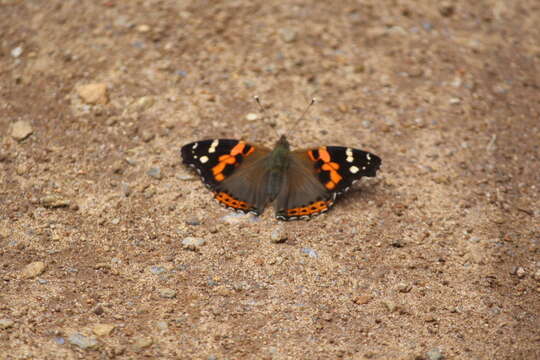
(218, 163)
(339, 167)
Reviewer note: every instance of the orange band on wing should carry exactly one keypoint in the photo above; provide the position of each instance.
(218, 169)
(229, 201)
(238, 148)
(314, 208)
(330, 185)
(324, 155)
(230, 159)
(331, 167)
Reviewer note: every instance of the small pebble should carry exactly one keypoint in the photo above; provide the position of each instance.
(181, 73)
(98, 310)
(446, 9)
(144, 103)
(142, 343)
(149, 191)
(6, 323)
(454, 101)
(16, 52)
(167, 293)
(33, 269)
(118, 167)
(154, 172)
(193, 243)
(390, 306)
(457, 82)
(234, 218)
(327, 316)
(111, 120)
(501, 88)
(126, 190)
(143, 28)
(104, 265)
(252, 117)
(156, 270)
(147, 136)
(162, 325)
(103, 329)
(84, 342)
(93, 94)
(287, 35)
(54, 201)
(21, 130)
(404, 288)
(4, 232)
(521, 272)
(278, 236)
(186, 177)
(193, 221)
(362, 299)
(310, 252)
(434, 354)
(21, 169)
(536, 275)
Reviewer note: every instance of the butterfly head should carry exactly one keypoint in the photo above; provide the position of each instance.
(283, 143)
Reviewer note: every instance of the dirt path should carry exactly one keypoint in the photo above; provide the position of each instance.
(435, 258)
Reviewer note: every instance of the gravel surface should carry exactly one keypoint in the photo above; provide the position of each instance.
(110, 248)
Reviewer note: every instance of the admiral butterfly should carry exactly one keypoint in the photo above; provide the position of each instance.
(303, 183)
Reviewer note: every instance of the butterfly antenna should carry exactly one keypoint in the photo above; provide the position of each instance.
(313, 100)
(258, 100)
(301, 117)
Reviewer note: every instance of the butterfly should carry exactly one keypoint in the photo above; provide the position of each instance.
(303, 183)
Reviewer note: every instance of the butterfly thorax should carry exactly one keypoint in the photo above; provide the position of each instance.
(278, 163)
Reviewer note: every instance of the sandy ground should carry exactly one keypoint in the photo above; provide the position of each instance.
(436, 258)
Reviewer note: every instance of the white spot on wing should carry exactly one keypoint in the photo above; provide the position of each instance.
(354, 169)
(368, 156)
(213, 146)
(349, 153)
(203, 159)
(195, 145)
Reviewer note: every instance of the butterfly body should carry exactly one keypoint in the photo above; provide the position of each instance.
(302, 183)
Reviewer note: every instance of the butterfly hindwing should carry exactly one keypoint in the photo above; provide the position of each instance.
(302, 194)
(217, 161)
